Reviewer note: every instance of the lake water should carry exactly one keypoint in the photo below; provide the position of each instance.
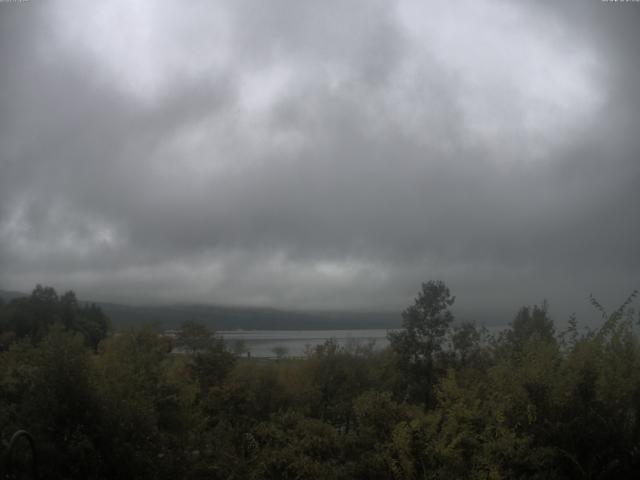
(261, 343)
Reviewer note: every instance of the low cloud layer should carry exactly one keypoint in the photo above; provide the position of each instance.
(321, 155)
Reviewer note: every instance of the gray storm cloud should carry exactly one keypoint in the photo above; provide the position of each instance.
(321, 155)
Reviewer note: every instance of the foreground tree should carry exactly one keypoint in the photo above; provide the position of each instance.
(143, 421)
(531, 322)
(209, 360)
(418, 345)
(34, 316)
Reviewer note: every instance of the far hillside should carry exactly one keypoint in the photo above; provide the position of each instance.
(237, 318)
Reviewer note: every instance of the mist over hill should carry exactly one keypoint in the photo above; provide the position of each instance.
(244, 318)
(8, 295)
(232, 318)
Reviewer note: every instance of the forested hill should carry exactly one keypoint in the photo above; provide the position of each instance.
(231, 318)
(8, 295)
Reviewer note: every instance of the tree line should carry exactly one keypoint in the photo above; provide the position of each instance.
(444, 400)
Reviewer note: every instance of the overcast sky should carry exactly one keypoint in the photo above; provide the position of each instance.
(325, 155)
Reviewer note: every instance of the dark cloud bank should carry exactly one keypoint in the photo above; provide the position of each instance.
(326, 155)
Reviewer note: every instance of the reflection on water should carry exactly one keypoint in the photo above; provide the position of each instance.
(294, 343)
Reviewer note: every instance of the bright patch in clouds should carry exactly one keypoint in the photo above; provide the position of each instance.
(261, 89)
(67, 236)
(142, 46)
(521, 80)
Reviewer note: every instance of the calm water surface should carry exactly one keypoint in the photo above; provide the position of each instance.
(264, 343)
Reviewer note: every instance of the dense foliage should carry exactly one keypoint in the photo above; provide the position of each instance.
(445, 400)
